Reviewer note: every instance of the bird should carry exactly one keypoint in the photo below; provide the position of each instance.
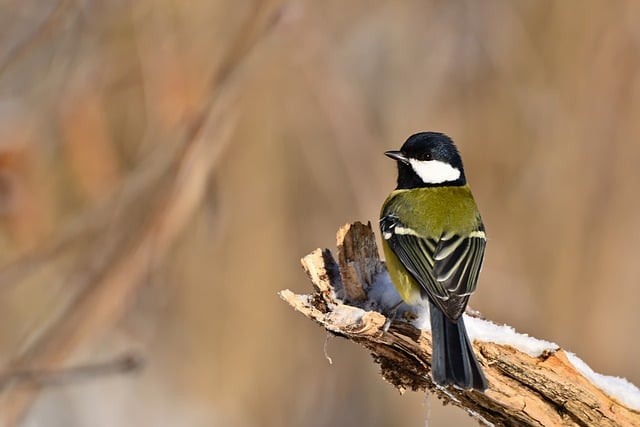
(434, 241)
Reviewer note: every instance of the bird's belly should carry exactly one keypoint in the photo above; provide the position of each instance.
(408, 289)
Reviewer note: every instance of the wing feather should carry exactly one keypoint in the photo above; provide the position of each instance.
(446, 268)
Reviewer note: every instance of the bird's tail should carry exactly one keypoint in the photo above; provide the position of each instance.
(453, 360)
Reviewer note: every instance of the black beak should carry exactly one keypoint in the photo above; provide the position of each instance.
(397, 155)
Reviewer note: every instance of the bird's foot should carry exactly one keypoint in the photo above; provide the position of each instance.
(391, 314)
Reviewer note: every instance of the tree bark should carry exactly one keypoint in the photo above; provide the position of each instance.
(523, 390)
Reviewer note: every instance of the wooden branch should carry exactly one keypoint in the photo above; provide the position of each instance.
(523, 390)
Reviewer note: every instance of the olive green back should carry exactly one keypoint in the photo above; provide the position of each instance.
(431, 211)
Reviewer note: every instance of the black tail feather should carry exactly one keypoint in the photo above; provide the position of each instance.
(453, 360)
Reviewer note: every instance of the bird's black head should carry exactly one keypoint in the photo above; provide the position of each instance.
(428, 159)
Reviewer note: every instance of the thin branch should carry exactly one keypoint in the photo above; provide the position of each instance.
(123, 364)
(523, 390)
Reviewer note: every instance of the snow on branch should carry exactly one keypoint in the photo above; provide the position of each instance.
(531, 382)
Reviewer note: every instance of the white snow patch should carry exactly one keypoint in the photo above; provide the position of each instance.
(347, 315)
(487, 331)
(484, 330)
(616, 387)
(382, 292)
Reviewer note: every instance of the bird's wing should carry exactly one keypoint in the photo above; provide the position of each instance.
(458, 260)
(445, 267)
(416, 254)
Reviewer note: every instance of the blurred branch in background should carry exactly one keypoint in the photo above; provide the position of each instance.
(179, 189)
(106, 297)
(121, 365)
(46, 27)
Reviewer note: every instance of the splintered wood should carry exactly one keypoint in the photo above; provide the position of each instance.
(358, 259)
(523, 390)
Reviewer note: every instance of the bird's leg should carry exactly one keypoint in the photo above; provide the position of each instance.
(391, 315)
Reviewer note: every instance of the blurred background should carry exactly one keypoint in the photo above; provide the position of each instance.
(164, 165)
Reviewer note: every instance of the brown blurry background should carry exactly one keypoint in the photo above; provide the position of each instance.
(164, 165)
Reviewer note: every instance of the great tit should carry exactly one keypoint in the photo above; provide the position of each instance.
(434, 240)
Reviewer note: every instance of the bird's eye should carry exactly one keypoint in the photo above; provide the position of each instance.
(427, 156)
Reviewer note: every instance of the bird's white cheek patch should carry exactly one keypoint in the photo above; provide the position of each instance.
(434, 171)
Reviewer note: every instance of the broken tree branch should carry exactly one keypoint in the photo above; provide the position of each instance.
(523, 390)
